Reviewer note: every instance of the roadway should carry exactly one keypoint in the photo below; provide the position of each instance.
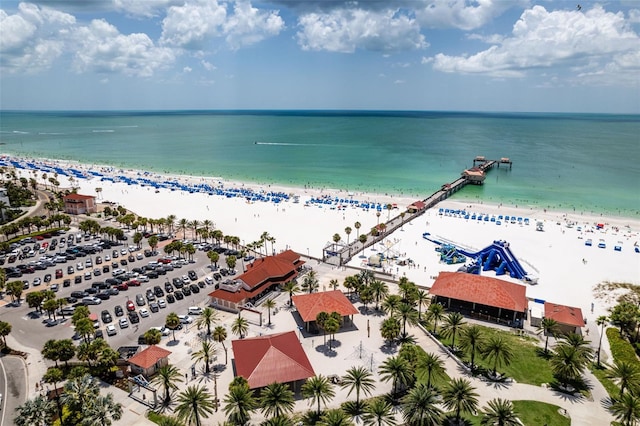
(13, 387)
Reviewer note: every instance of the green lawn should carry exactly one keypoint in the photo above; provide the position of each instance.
(527, 365)
(533, 413)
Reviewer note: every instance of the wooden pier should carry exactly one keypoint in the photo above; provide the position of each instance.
(475, 176)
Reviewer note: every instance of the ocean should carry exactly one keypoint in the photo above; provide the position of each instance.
(581, 162)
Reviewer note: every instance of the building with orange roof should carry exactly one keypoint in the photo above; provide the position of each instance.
(569, 319)
(310, 305)
(79, 204)
(416, 206)
(148, 361)
(274, 358)
(262, 276)
(481, 297)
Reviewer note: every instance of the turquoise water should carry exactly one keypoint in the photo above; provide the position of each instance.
(584, 162)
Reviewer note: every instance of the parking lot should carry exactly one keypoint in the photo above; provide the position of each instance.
(121, 280)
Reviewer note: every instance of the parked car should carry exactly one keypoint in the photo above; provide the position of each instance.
(130, 306)
(118, 310)
(194, 310)
(111, 330)
(133, 317)
(140, 300)
(178, 295)
(144, 313)
(162, 304)
(123, 323)
(106, 316)
(77, 279)
(171, 298)
(91, 300)
(185, 319)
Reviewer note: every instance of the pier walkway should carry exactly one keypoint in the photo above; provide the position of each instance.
(342, 254)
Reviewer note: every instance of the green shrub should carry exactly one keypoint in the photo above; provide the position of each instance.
(621, 349)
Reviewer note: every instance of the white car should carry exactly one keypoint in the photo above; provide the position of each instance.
(143, 278)
(163, 330)
(107, 258)
(185, 279)
(123, 323)
(162, 304)
(111, 330)
(185, 319)
(139, 256)
(195, 310)
(79, 266)
(208, 280)
(143, 312)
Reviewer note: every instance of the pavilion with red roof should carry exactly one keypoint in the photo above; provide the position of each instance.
(311, 304)
(482, 297)
(148, 361)
(569, 319)
(261, 277)
(275, 358)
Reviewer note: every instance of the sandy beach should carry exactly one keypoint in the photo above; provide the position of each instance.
(567, 269)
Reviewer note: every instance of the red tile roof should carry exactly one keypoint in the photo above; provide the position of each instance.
(149, 356)
(310, 305)
(274, 358)
(418, 205)
(277, 269)
(74, 196)
(567, 315)
(479, 289)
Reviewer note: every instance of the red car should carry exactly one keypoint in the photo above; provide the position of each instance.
(135, 283)
(130, 306)
(122, 286)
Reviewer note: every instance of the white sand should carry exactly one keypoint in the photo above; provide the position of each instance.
(555, 255)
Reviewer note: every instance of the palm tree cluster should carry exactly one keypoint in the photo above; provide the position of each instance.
(570, 357)
(80, 403)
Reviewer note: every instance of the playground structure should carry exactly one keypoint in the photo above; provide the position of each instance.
(496, 257)
(450, 254)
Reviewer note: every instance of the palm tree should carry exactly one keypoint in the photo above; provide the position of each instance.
(291, 287)
(398, 370)
(194, 403)
(420, 407)
(152, 336)
(269, 304)
(378, 412)
(460, 396)
(548, 327)
(172, 322)
(498, 350)
(347, 231)
(433, 365)
(566, 363)
(601, 321)
(240, 326)
(78, 393)
(626, 409)
(206, 352)
(453, 323)
(391, 304)
(357, 225)
(358, 379)
(310, 282)
(183, 224)
(239, 403)
(220, 335)
(335, 417)
(436, 313)
(319, 389)
(167, 377)
(34, 412)
(276, 400)
(379, 290)
(421, 298)
(102, 410)
(390, 329)
(408, 315)
(625, 374)
(471, 339)
(499, 412)
(54, 376)
(207, 319)
(582, 346)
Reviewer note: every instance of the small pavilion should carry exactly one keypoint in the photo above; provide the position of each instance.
(310, 305)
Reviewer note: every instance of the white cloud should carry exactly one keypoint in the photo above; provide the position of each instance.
(634, 16)
(249, 25)
(208, 65)
(399, 82)
(346, 30)
(144, 8)
(103, 49)
(195, 24)
(192, 25)
(187, 69)
(33, 38)
(542, 39)
(462, 14)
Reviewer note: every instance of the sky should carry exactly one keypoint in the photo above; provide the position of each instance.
(448, 55)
